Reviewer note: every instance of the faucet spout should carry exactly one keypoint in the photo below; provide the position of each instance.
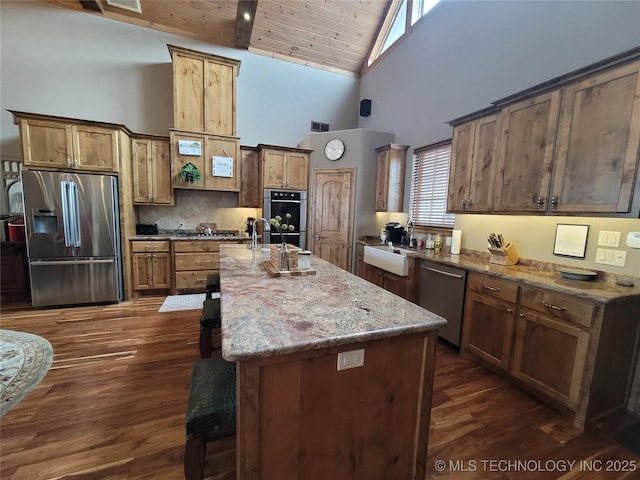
(254, 236)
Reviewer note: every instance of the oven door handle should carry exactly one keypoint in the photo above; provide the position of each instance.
(284, 201)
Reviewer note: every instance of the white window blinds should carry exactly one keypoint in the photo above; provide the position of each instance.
(430, 183)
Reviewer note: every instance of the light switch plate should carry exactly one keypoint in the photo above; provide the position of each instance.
(351, 359)
(608, 239)
(617, 258)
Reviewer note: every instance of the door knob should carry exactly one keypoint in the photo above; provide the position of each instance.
(317, 237)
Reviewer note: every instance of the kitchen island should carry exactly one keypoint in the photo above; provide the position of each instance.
(299, 417)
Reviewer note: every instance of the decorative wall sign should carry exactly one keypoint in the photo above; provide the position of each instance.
(222, 166)
(571, 240)
(189, 147)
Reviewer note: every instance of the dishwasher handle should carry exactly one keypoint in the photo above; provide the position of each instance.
(435, 270)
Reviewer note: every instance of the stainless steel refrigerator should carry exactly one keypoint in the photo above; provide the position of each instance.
(73, 237)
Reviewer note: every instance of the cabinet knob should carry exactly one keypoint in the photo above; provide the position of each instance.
(554, 202)
(540, 203)
(509, 310)
(521, 315)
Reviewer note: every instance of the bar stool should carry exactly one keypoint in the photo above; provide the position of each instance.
(211, 411)
(210, 327)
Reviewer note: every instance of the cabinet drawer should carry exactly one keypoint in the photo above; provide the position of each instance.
(142, 247)
(557, 305)
(196, 246)
(193, 279)
(493, 287)
(197, 261)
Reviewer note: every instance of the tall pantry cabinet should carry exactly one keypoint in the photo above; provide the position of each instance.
(204, 121)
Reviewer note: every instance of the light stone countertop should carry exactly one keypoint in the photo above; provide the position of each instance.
(542, 276)
(264, 316)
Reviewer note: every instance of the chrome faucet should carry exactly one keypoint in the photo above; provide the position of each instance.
(254, 236)
(410, 227)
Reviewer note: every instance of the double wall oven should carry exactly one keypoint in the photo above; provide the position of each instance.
(281, 202)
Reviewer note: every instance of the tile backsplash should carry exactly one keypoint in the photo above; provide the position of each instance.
(193, 207)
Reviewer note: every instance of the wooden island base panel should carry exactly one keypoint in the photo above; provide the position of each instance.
(299, 416)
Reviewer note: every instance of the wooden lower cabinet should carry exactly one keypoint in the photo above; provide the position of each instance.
(151, 265)
(550, 356)
(300, 418)
(193, 261)
(575, 353)
(401, 286)
(488, 329)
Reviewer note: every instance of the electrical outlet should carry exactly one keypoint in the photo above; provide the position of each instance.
(617, 258)
(352, 359)
(608, 239)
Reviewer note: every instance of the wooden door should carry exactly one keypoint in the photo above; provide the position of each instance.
(219, 99)
(161, 270)
(461, 166)
(550, 356)
(217, 146)
(331, 215)
(141, 152)
(142, 271)
(382, 181)
(526, 154)
(488, 328)
(481, 181)
(46, 144)
(188, 92)
(95, 148)
(297, 171)
(372, 274)
(273, 168)
(250, 179)
(598, 143)
(161, 177)
(179, 160)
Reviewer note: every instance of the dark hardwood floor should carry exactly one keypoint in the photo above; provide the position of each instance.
(112, 407)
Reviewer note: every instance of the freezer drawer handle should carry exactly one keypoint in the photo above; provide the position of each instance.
(71, 262)
(443, 273)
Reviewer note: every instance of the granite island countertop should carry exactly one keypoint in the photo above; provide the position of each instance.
(264, 316)
(599, 290)
(173, 237)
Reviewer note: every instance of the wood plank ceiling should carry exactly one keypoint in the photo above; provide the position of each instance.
(333, 35)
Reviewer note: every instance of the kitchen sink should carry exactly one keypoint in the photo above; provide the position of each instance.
(391, 259)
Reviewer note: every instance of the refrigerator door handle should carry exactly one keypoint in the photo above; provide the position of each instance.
(66, 214)
(75, 214)
(71, 262)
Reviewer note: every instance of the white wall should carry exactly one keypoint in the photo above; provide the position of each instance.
(465, 54)
(61, 62)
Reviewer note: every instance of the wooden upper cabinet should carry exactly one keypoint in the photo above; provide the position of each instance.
(54, 142)
(250, 178)
(201, 150)
(222, 176)
(525, 154)
(598, 143)
(285, 167)
(151, 171)
(473, 165)
(204, 92)
(392, 160)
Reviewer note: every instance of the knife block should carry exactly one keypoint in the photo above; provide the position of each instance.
(505, 255)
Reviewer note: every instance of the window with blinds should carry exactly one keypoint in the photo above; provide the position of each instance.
(430, 183)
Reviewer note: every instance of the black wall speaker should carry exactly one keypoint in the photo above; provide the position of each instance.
(365, 107)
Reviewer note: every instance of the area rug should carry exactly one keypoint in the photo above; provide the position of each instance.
(24, 361)
(175, 303)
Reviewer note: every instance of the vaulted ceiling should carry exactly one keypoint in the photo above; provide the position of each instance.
(334, 35)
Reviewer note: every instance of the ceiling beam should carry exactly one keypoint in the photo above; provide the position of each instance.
(94, 5)
(244, 22)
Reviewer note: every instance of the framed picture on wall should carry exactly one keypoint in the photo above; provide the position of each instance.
(571, 240)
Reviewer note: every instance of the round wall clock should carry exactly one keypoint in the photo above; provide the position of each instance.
(334, 149)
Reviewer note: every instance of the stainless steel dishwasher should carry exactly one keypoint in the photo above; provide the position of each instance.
(441, 291)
